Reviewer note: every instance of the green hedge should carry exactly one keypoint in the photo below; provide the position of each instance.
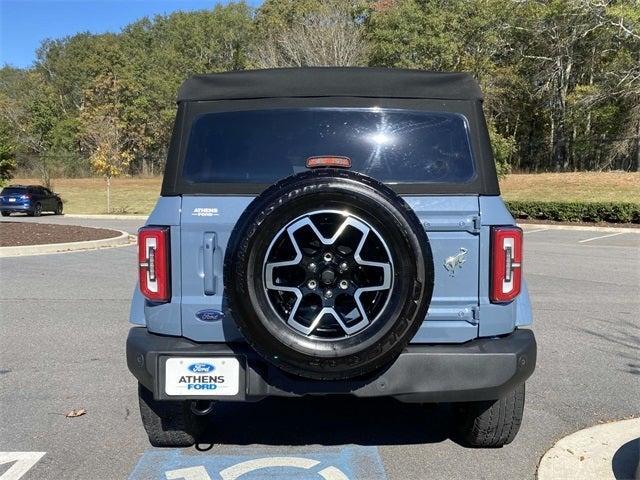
(611, 212)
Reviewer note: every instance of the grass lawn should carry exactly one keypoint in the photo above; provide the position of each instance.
(89, 195)
(579, 187)
(138, 195)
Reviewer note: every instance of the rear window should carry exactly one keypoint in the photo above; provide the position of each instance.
(264, 146)
(13, 191)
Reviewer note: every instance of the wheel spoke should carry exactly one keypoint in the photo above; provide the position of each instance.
(331, 259)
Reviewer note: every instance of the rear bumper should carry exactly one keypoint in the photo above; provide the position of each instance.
(12, 208)
(482, 369)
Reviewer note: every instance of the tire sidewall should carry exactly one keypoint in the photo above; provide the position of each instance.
(377, 344)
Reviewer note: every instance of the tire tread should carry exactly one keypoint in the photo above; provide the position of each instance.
(167, 423)
(492, 424)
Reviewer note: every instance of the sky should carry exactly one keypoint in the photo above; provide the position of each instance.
(25, 23)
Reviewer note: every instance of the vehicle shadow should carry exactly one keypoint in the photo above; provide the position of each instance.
(334, 420)
(625, 335)
(626, 461)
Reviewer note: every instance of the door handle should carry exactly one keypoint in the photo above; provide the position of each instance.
(210, 278)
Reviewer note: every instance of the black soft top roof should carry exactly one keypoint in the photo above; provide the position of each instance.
(330, 82)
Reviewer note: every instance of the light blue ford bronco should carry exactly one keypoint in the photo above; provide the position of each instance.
(327, 231)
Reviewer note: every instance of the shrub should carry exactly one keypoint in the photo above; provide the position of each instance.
(611, 212)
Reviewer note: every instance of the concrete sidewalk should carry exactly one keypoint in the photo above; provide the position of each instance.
(607, 451)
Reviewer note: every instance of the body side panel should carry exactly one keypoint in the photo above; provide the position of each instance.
(498, 319)
(165, 318)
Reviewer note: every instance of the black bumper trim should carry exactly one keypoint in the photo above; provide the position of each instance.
(481, 369)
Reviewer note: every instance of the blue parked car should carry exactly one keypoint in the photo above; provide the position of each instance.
(29, 199)
(329, 231)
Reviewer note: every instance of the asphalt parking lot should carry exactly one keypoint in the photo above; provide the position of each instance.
(63, 324)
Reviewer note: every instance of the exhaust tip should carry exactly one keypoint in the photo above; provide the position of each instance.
(202, 407)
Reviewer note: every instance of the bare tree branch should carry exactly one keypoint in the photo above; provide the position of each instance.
(329, 37)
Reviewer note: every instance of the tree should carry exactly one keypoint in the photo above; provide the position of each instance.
(465, 35)
(621, 81)
(7, 154)
(160, 54)
(309, 34)
(561, 78)
(104, 134)
(28, 105)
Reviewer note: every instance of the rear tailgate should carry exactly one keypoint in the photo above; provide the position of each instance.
(453, 226)
(452, 223)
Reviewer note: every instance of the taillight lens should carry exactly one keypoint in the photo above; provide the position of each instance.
(506, 263)
(153, 263)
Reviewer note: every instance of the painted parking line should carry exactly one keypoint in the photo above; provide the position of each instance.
(22, 463)
(601, 236)
(605, 452)
(326, 463)
(536, 231)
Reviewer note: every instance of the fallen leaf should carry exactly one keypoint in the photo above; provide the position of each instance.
(76, 413)
(581, 458)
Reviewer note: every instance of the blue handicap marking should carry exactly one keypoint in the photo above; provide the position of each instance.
(350, 462)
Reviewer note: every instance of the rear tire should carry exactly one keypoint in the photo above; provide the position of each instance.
(491, 424)
(168, 423)
(58, 210)
(6, 214)
(37, 211)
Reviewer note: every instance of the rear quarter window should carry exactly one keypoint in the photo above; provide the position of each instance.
(264, 146)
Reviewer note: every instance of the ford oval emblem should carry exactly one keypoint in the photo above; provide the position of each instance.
(201, 368)
(210, 315)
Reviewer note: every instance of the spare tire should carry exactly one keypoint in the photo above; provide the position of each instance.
(328, 274)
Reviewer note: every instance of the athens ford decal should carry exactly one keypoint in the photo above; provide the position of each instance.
(204, 212)
(201, 382)
(202, 376)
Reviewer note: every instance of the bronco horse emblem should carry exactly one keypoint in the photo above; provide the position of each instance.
(451, 263)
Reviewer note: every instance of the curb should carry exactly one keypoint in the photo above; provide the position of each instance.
(586, 228)
(25, 250)
(605, 452)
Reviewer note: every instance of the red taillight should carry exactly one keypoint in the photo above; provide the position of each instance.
(506, 263)
(153, 263)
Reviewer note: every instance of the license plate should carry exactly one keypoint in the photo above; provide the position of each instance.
(12, 199)
(204, 376)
